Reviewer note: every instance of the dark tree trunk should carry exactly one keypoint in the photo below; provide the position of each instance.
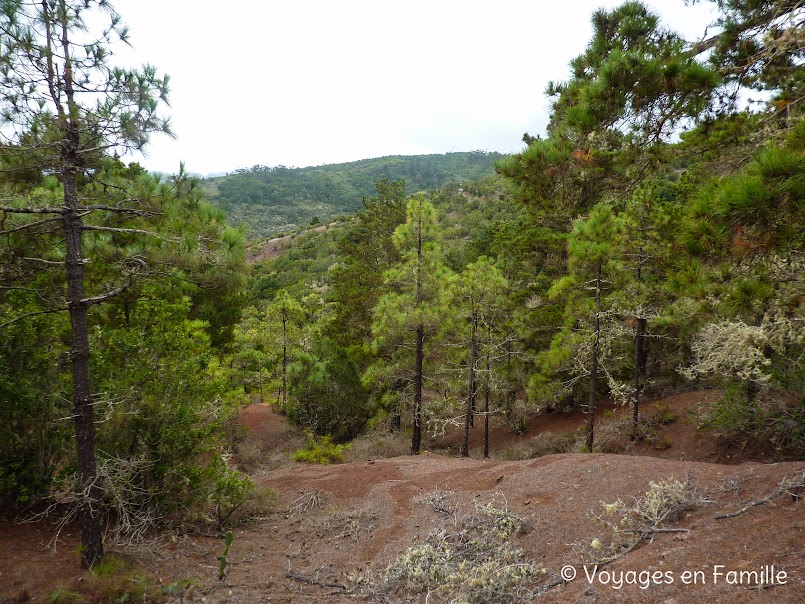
(639, 365)
(90, 499)
(594, 370)
(89, 512)
(416, 439)
(486, 396)
(468, 417)
(396, 417)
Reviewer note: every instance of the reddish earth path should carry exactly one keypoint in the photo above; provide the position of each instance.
(333, 523)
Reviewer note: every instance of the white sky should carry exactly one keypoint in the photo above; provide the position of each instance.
(311, 82)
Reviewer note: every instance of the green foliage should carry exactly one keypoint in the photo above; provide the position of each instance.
(230, 490)
(34, 395)
(634, 74)
(327, 397)
(224, 557)
(321, 450)
(766, 422)
(63, 595)
(276, 199)
(108, 566)
(166, 405)
(366, 251)
(662, 415)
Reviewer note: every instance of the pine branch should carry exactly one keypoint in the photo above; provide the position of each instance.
(43, 261)
(31, 314)
(29, 225)
(119, 230)
(119, 210)
(108, 295)
(46, 210)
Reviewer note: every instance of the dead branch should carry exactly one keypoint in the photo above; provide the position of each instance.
(30, 225)
(308, 500)
(302, 579)
(120, 230)
(51, 210)
(786, 484)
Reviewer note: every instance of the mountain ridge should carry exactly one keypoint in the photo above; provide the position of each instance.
(273, 200)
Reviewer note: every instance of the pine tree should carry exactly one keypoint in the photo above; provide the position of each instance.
(64, 110)
(288, 312)
(367, 251)
(407, 319)
(480, 298)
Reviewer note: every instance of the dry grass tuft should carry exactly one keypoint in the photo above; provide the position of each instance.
(473, 558)
(626, 525)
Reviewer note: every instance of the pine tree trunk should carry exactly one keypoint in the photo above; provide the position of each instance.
(638, 357)
(90, 499)
(486, 397)
(89, 513)
(473, 377)
(468, 417)
(416, 439)
(594, 370)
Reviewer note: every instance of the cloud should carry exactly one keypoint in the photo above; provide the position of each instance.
(312, 82)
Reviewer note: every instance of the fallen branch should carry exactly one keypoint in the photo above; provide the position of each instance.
(302, 579)
(785, 485)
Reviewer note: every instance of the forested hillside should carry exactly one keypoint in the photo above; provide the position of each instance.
(277, 199)
(651, 242)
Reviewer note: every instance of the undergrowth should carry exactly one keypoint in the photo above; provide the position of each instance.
(472, 558)
(767, 421)
(626, 525)
(321, 450)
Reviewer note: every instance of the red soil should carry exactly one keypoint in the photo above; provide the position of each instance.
(554, 494)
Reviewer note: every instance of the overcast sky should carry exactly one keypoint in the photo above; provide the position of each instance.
(303, 83)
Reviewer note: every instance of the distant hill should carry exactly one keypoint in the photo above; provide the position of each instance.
(270, 200)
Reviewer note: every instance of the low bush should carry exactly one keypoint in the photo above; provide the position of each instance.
(626, 525)
(473, 558)
(320, 450)
(766, 421)
(379, 444)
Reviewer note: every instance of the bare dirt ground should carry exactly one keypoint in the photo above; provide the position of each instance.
(270, 249)
(334, 525)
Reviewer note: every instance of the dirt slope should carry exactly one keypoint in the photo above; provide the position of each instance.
(334, 524)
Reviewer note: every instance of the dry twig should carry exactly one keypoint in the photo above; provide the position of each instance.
(786, 485)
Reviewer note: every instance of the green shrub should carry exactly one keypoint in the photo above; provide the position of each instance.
(663, 415)
(327, 397)
(62, 595)
(379, 444)
(765, 420)
(664, 443)
(321, 450)
(229, 491)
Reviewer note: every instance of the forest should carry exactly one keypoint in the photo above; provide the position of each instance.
(651, 241)
(274, 200)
